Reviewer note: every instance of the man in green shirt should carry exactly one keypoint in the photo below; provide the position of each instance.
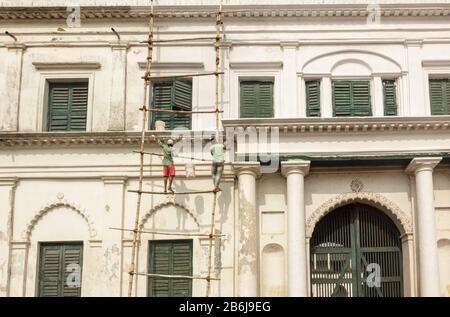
(168, 166)
(217, 152)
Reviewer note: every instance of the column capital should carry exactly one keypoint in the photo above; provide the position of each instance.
(242, 168)
(295, 166)
(419, 164)
(8, 181)
(119, 45)
(15, 46)
(120, 180)
(289, 44)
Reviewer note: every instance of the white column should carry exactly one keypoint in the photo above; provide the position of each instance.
(295, 172)
(118, 87)
(326, 93)
(247, 229)
(9, 108)
(7, 188)
(378, 105)
(428, 257)
(113, 216)
(289, 104)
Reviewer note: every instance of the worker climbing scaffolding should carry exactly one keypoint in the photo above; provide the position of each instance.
(218, 155)
(168, 165)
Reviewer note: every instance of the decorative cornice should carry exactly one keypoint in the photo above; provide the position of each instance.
(295, 166)
(281, 11)
(346, 125)
(66, 66)
(49, 139)
(423, 163)
(376, 200)
(256, 65)
(436, 63)
(174, 65)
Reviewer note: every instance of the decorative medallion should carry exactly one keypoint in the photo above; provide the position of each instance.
(356, 185)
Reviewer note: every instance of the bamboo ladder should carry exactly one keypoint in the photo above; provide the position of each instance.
(145, 110)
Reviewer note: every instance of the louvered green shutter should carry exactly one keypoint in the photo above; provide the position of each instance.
(313, 98)
(53, 274)
(256, 99)
(342, 99)
(390, 97)
(170, 258)
(440, 96)
(67, 109)
(72, 256)
(182, 101)
(351, 98)
(175, 95)
(361, 98)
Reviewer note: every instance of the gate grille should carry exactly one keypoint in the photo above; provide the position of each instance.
(349, 247)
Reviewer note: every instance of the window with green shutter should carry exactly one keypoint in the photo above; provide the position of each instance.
(176, 95)
(170, 257)
(67, 106)
(312, 98)
(390, 97)
(440, 96)
(256, 99)
(60, 267)
(351, 98)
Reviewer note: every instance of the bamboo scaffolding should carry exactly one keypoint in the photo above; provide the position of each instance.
(142, 148)
(213, 214)
(170, 233)
(199, 74)
(145, 109)
(169, 193)
(187, 277)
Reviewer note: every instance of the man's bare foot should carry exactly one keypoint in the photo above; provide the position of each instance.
(216, 190)
(171, 191)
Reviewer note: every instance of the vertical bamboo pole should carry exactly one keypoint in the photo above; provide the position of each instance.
(144, 110)
(213, 214)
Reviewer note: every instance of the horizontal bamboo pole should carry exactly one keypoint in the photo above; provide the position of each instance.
(169, 193)
(184, 157)
(182, 76)
(183, 111)
(170, 234)
(177, 276)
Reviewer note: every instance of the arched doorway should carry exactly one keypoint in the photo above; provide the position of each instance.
(355, 252)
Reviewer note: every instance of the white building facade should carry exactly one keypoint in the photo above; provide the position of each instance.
(355, 200)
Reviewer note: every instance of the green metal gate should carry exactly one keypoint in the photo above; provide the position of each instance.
(356, 252)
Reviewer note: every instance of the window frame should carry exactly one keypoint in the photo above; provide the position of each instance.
(149, 263)
(47, 104)
(40, 245)
(354, 79)
(257, 80)
(67, 77)
(151, 121)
